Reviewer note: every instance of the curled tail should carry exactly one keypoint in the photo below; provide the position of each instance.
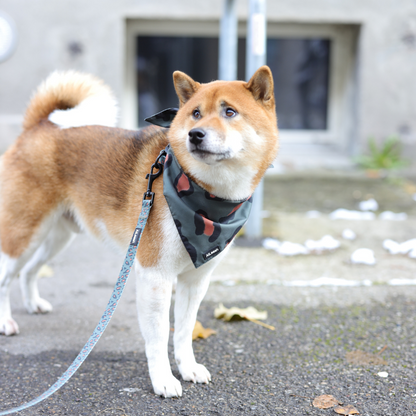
(72, 99)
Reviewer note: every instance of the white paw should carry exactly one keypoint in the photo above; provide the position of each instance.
(8, 326)
(38, 305)
(167, 386)
(194, 372)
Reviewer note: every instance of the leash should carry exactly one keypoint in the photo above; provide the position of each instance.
(115, 296)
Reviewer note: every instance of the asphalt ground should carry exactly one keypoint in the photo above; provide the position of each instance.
(255, 371)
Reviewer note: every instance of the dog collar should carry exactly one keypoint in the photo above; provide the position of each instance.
(205, 223)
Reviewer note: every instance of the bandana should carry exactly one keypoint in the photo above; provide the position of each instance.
(205, 223)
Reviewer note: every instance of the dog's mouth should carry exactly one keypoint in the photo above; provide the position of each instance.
(205, 155)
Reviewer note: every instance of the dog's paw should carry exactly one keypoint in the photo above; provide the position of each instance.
(167, 386)
(195, 372)
(38, 305)
(8, 327)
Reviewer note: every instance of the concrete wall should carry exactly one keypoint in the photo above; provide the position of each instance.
(90, 36)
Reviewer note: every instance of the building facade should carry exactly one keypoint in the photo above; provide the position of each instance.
(344, 70)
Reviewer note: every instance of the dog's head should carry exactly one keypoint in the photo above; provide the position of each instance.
(225, 132)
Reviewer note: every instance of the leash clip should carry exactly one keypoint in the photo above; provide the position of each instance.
(152, 176)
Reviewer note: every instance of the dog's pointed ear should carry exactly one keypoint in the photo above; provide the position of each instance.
(185, 86)
(261, 85)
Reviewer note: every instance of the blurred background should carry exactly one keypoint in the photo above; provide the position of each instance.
(338, 208)
(344, 71)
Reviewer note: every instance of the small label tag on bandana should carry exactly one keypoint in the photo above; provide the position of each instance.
(136, 236)
(212, 253)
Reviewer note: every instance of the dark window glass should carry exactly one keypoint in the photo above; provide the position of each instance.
(159, 56)
(300, 69)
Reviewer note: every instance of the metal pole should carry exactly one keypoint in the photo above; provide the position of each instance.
(227, 64)
(255, 58)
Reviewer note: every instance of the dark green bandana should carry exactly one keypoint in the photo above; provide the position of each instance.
(205, 223)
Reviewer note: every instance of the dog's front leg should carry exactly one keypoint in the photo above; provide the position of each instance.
(154, 291)
(190, 290)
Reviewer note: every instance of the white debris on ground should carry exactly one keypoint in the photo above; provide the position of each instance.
(349, 234)
(271, 244)
(369, 205)
(130, 389)
(292, 249)
(363, 256)
(327, 242)
(408, 247)
(313, 214)
(393, 216)
(327, 281)
(346, 214)
(287, 248)
(402, 282)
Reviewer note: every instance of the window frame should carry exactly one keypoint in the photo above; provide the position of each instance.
(341, 88)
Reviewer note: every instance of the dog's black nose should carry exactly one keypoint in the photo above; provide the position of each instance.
(196, 136)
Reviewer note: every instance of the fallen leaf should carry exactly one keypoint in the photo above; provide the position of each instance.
(409, 187)
(238, 313)
(234, 313)
(346, 410)
(45, 271)
(364, 358)
(325, 401)
(201, 332)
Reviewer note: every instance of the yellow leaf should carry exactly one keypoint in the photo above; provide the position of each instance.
(250, 313)
(45, 271)
(364, 358)
(201, 332)
(346, 410)
(325, 401)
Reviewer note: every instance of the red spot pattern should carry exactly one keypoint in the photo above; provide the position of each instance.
(235, 209)
(209, 227)
(183, 183)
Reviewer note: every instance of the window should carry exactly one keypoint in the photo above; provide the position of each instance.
(314, 69)
(300, 68)
(159, 56)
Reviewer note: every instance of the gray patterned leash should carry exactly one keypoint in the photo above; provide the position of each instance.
(115, 296)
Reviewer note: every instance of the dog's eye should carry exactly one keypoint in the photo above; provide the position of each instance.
(229, 112)
(196, 113)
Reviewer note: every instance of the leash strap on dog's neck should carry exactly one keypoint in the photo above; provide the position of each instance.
(115, 296)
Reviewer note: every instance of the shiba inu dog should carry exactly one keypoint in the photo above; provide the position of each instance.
(70, 171)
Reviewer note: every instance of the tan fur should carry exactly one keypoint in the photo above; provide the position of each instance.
(62, 92)
(92, 170)
(258, 113)
(58, 179)
(98, 173)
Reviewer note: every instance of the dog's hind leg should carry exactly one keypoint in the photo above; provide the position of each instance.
(8, 270)
(15, 255)
(10, 267)
(59, 237)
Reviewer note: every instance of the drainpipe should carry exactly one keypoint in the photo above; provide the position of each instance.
(227, 64)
